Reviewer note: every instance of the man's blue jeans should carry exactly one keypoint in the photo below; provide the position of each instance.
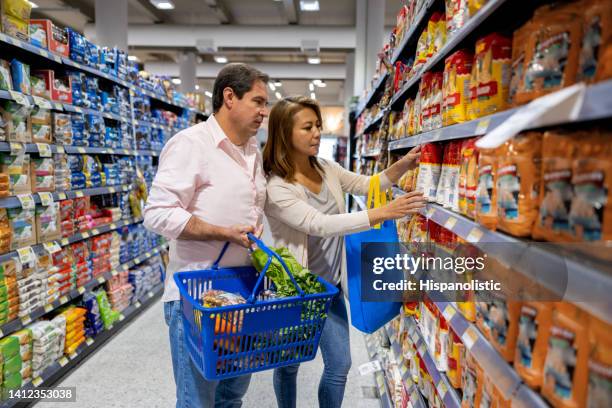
(192, 390)
(336, 352)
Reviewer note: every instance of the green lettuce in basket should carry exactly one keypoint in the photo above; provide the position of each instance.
(284, 287)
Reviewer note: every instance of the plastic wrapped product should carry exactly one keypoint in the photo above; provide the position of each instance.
(486, 192)
(6, 83)
(493, 62)
(17, 124)
(430, 167)
(456, 87)
(20, 74)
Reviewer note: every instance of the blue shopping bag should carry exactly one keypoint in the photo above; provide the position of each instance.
(370, 316)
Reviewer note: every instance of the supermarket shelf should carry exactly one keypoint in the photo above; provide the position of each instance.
(379, 377)
(34, 148)
(374, 124)
(542, 266)
(39, 248)
(96, 72)
(596, 105)
(415, 396)
(370, 98)
(370, 154)
(451, 43)
(411, 34)
(446, 392)
(18, 324)
(7, 39)
(13, 201)
(63, 366)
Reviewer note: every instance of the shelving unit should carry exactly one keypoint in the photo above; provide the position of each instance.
(381, 383)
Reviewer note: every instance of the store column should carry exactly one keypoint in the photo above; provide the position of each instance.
(112, 23)
(187, 70)
(369, 34)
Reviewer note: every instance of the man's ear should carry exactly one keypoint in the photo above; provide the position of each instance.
(228, 97)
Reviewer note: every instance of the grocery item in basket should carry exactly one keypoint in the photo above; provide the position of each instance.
(599, 392)
(532, 342)
(556, 191)
(220, 298)
(456, 87)
(430, 167)
(518, 183)
(590, 214)
(596, 33)
(276, 273)
(566, 364)
(492, 61)
(552, 51)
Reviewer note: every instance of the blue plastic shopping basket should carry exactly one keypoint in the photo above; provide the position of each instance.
(258, 335)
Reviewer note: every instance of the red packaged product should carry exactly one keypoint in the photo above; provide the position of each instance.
(59, 87)
(57, 39)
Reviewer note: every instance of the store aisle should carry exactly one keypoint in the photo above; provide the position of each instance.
(134, 370)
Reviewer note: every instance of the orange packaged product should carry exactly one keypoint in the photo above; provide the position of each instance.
(596, 34)
(604, 70)
(532, 343)
(518, 183)
(599, 392)
(566, 365)
(590, 217)
(490, 396)
(552, 52)
(504, 322)
(556, 192)
(486, 191)
(455, 358)
(456, 88)
(493, 63)
(471, 382)
(517, 65)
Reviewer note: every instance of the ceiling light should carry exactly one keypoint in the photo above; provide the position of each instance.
(272, 87)
(220, 59)
(309, 5)
(278, 95)
(208, 93)
(176, 81)
(321, 84)
(163, 4)
(314, 60)
(132, 58)
(313, 96)
(197, 87)
(311, 86)
(32, 4)
(278, 83)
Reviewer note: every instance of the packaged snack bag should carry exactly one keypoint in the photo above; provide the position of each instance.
(518, 183)
(517, 65)
(456, 88)
(430, 167)
(457, 13)
(475, 5)
(532, 342)
(599, 392)
(435, 101)
(493, 62)
(486, 191)
(6, 83)
(504, 319)
(472, 382)
(596, 33)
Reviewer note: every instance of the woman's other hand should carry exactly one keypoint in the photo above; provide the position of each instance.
(407, 204)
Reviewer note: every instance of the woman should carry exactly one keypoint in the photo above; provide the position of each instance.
(305, 210)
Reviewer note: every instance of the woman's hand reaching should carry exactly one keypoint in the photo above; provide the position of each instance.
(407, 204)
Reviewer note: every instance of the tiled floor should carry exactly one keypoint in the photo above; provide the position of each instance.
(134, 370)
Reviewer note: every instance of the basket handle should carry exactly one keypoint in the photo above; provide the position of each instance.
(271, 254)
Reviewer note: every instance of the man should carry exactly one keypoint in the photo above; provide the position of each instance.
(209, 189)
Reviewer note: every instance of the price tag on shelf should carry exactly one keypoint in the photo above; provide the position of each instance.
(114, 272)
(46, 199)
(43, 53)
(63, 361)
(450, 223)
(150, 294)
(16, 148)
(44, 150)
(78, 109)
(121, 317)
(95, 231)
(60, 149)
(81, 150)
(422, 349)
(113, 226)
(19, 98)
(65, 241)
(52, 247)
(112, 190)
(148, 254)
(430, 212)
(61, 196)
(85, 235)
(48, 308)
(137, 261)
(89, 341)
(26, 255)
(436, 135)
(64, 299)
(138, 304)
(469, 337)
(42, 102)
(73, 355)
(37, 381)
(475, 235)
(79, 194)
(482, 127)
(126, 151)
(442, 389)
(27, 201)
(101, 279)
(81, 290)
(25, 320)
(449, 312)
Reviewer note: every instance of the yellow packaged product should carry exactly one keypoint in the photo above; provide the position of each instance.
(518, 183)
(475, 5)
(566, 366)
(15, 27)
(472, 103)
(455, 358)
(19, 9)
(456, 87)
(436, 29)
(493, 64)
(599, 392)
(468, 178)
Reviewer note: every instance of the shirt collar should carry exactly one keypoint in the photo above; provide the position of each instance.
(219, 135)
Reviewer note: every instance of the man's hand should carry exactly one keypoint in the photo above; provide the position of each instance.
(237, 234)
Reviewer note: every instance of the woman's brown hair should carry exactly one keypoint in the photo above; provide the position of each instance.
(277, 151)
